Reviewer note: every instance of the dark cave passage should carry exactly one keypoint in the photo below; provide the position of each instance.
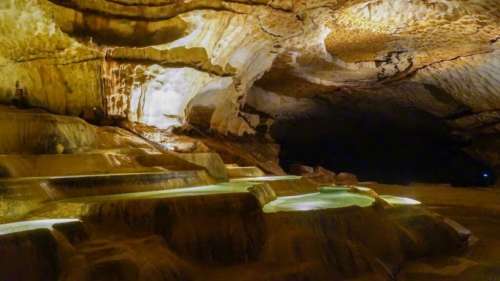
(411, 147)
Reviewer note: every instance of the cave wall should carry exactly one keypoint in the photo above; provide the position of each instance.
(168, 63)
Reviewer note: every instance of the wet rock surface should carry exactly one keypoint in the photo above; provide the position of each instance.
(126, 222)
(118, 118)
(185, 236)
(475, 209)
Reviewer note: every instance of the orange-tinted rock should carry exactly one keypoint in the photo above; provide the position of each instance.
(301, 170)
(208, 236)
(346, 179)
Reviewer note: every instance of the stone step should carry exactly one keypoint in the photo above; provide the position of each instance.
(19, 196)
(53, 165)
(30, 250)
(61, 187)
(85, 207)
(222, 226)
(226, 226)
(235, 171)
(209, 161)
(284, 185)
(108, 161)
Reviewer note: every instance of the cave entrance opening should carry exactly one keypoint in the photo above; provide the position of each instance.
(394, 146)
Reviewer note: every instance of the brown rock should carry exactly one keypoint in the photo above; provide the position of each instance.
(346, 179)
(322, 171)
(301, 170)
(323, 176)
(317, 174)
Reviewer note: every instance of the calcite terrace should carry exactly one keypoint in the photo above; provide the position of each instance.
(149, 139)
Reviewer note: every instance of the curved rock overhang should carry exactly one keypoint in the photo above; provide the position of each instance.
(235, 67)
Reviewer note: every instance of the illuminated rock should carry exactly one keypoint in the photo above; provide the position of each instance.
(185, 78)
(346, 179)
(233, 229)
(235, 171)
(166, 64)
(33, 242)
(239, 41)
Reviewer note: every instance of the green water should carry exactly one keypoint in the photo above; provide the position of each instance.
(232, 187)
(31, 225)
(394, 200)
(330, 198)
(266, 179)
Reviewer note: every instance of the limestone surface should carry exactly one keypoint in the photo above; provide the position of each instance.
(234, 67)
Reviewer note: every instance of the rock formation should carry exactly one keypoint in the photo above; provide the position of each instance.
(236, 66)
(140, 139)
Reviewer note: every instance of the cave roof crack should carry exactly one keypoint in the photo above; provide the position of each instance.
(76, 5)
(48, 58)
(200, 64)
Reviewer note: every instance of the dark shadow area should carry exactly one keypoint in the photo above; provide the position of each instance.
(392, 145)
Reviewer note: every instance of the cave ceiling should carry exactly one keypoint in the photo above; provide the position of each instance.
(233, 66)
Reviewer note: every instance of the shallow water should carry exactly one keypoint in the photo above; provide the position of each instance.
(318, 201)
(32, 225)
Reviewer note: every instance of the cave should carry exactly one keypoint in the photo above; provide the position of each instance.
(249, 140)
(409, 146)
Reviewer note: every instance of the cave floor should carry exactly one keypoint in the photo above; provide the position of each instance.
(175, 232)
(477, 209)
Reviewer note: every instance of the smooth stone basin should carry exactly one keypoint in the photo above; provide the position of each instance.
(331, 189)
(404, 201)
(267, 178)
(223, 188)
(332, 198)
(392, 200)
